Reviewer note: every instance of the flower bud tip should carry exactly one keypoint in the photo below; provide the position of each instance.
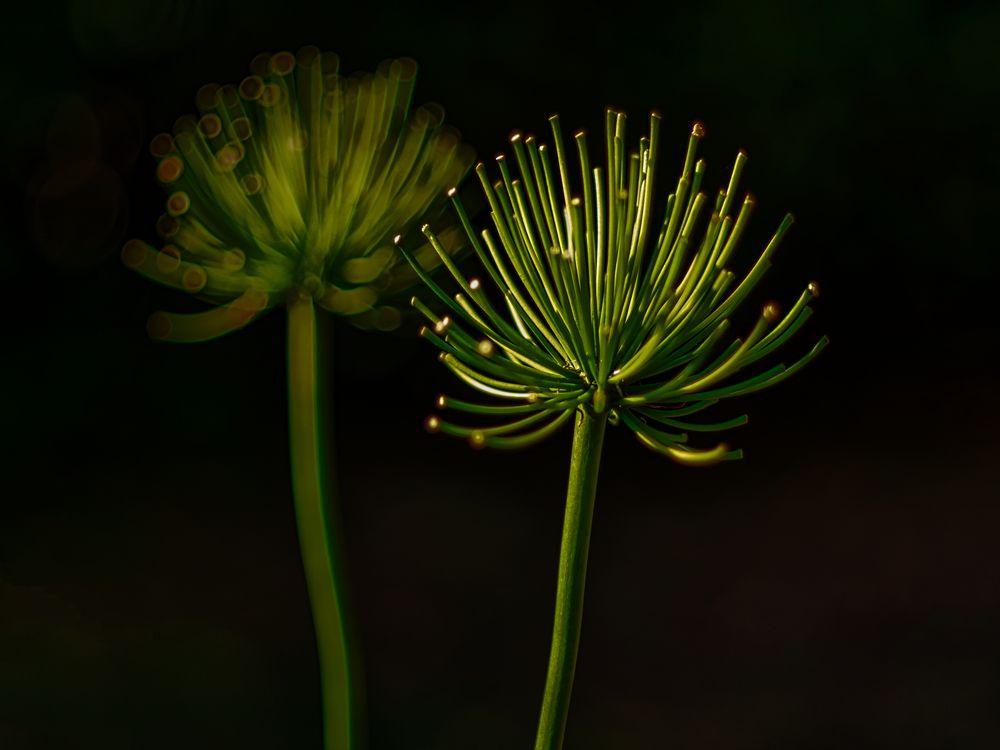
(178, 203)
(210, 125)
(282, 63)
(168, 260)
(194, 279)
(161, 145)
(170, 169)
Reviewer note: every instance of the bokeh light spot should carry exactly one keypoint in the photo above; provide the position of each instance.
(252, 183)
(210, 125)
(134, 253)
(178, 203)
(167, 226)
(252, 87)
(283, 63)
(168, 259)
(169, 169)
(161, 145)
(194, 279)
(241, 128)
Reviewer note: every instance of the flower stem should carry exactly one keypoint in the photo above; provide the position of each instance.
(316, 513)
(588, 438)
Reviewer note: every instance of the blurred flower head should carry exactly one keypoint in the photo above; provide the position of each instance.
(293, 182)
(601, 308)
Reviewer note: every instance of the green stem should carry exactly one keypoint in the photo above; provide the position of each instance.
(314, 511)
(588, 438)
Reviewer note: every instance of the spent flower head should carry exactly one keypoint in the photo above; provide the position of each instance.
(601, 308)
(293, 182)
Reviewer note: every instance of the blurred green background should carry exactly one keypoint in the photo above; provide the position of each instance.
(838, 588)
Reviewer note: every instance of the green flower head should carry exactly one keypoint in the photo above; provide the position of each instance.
(600, 308)
(291, 183)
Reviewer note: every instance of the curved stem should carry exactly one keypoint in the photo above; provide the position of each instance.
(315, 514)
(588, 438)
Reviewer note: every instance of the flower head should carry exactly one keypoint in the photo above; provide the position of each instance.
(293, 182)
(601, 308)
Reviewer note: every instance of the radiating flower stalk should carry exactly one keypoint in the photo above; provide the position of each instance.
(602, 316)
(285, 191)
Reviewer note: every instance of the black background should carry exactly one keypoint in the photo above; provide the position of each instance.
(838, 588)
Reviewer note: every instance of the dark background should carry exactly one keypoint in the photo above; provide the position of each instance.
(838, 588)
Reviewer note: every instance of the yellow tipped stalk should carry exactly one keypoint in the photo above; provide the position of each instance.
(608, 319)
(294, 180)
(605, 312)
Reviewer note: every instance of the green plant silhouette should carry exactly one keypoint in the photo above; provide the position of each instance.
(606, 318)
(285, 192)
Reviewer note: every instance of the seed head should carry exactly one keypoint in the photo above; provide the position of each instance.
(293, 182)
(601, 308)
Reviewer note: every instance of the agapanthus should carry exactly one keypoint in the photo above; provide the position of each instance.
(285, 191)
(293, 182)
(600, 306)
(602, 315)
